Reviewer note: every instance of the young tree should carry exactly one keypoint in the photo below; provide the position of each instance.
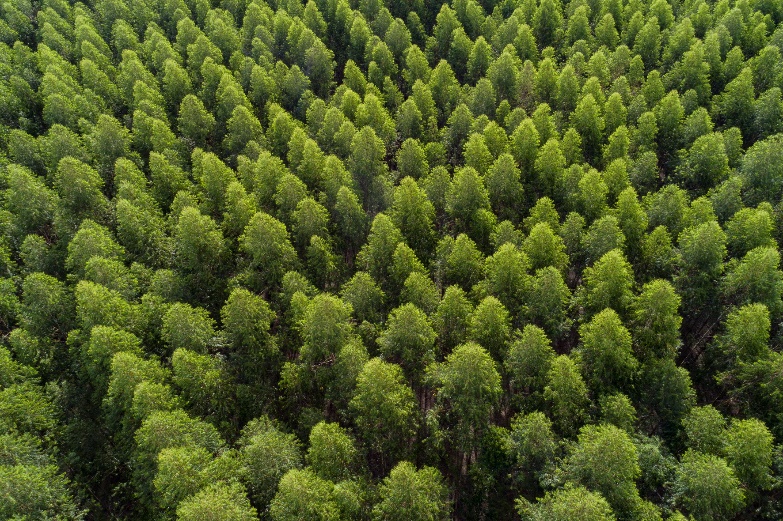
(384, 409)
(332, 454)
(607, 358)
(408, 340)
(410, 494)
(570, 503)
(303, 495)
(707, 487)
(608, 283)
(656, 320)
(266, 454)
(529, 359)
(469, 387)
(605, 459)
(221, 502)
(566, 395)
(265, 241)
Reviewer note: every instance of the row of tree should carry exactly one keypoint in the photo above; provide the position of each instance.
(363, 260)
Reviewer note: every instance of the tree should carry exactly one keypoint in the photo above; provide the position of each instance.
(91, 240)
(702, 250)
(199, 249)
(452, 318)
(467, 194)
(332, 454)
(524, 145)
(204, 384)
(413, 213)
(666, 394)
(324, 328)
(566, 394)
(607, 358)
(544, 248)
(504, 75)
(607, 284)
(506, 276)
(350, 218)
(761, 171)
(412, 159)
(748, 451)
(241, 129)
(303, 495)
(265, 241)
(668, 115)
(476, 153)
(445, 88)
(592, 194)
(707, 487)
(588, 122)
(167, 429)
(366, 164)
(187, 327)
(79, 188)
(266, 454)
(549, 298)
(529, 359)
(384, 409)
(46, 306)
(479, 60)
(219, 502)
(549, 167)
(768, 110)
(570, 503)
(247, 320)
(420, 290)
(482, 100)
(736, 102)
(547, 23)
(469, 386)
(705, 429)
(490, 326)
(605, 459)
(408, 340)
(763, 286)
(36, 490)
(184, 471)
(410, 494)
(618, 410)
(309, 219)
(364, 296)
(647, 43)
(706, 163)
(747, 334)
(379, 248)
(748, 229)
(656, 320)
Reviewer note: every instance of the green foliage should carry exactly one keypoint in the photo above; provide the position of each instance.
(219, 502)
(303, 495)
(576, 503)
(266, 454)
(408, 493)
(332, 454)
(607, 359)
(384, 409)
(537, 215)
(707, 487)
(566, 394)
(605, 459)
(469, 385)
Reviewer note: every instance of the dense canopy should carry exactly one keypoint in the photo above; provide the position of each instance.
(391, 260)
